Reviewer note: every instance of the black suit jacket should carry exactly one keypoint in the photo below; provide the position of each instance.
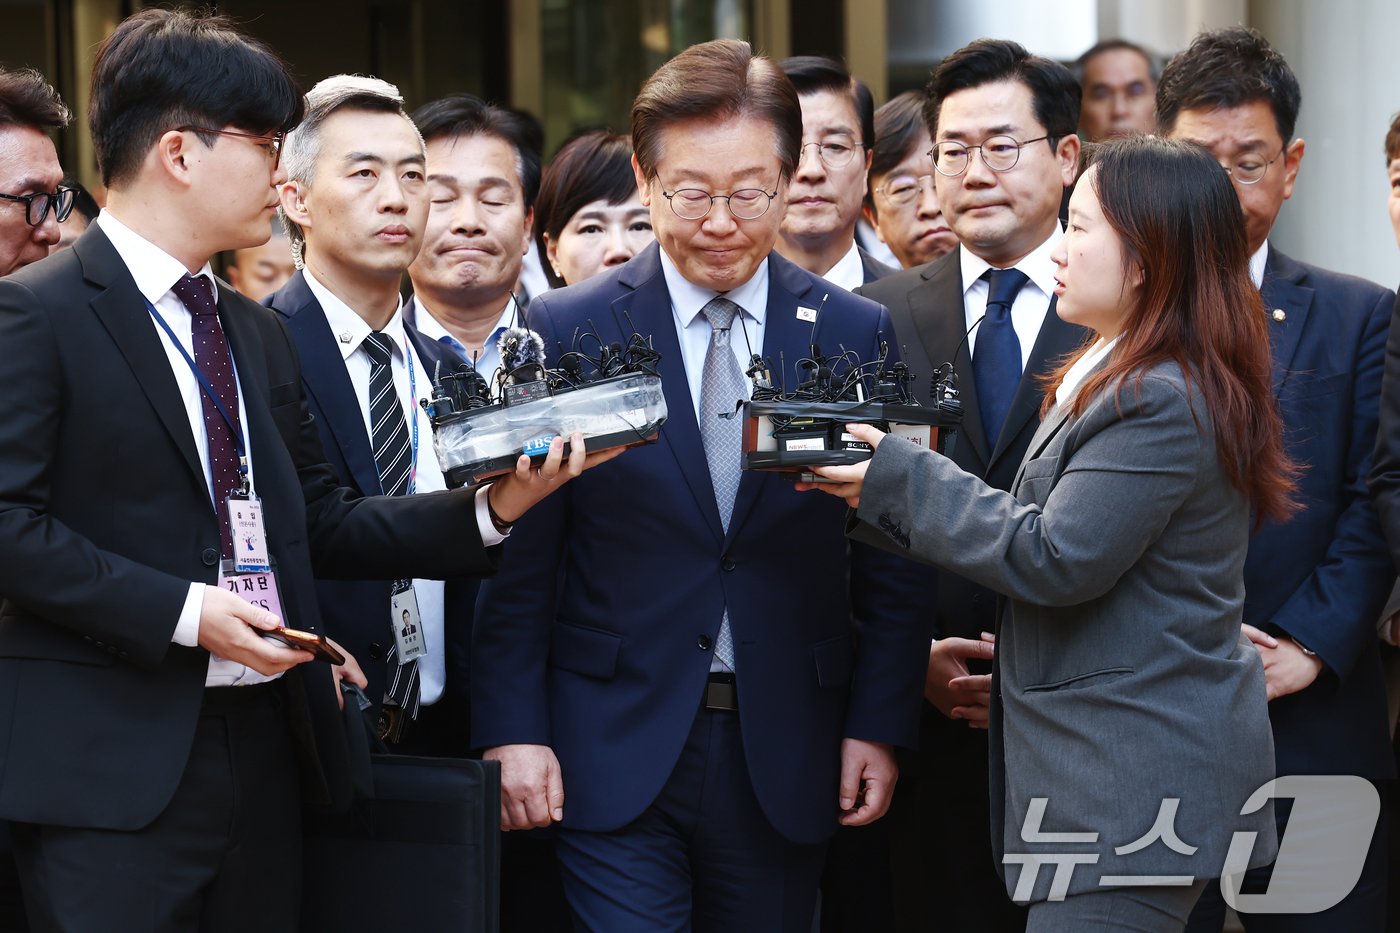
(105, 519)
(873, 269)
(356, 612)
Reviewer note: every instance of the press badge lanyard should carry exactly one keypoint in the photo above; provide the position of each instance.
(245, 509)
(408, 633)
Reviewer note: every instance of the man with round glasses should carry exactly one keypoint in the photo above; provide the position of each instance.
(1003, 149)
(665, 664)
(1314, 585)
(902, 204)
(838, 136)
(32, 201)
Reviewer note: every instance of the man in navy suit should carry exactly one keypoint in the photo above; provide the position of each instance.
(356, 203)
(666, 667)
(1316, 583)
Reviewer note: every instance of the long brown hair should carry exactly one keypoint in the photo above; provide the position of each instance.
(1179, 219)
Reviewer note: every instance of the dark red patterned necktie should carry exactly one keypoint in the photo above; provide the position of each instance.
(212, 357)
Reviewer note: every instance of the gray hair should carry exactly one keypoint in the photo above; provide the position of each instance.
(302, 147)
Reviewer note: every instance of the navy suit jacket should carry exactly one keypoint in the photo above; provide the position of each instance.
(595, 640)
(1323, 576)
(356, 612)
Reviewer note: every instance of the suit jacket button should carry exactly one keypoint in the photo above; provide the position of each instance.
(726, 564)
(210, 557)
(703, 642)
(376, 651)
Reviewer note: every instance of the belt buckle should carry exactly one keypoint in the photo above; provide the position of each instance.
(391, 723)
(721, 693)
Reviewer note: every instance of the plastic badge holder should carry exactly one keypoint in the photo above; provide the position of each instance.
(621, 411)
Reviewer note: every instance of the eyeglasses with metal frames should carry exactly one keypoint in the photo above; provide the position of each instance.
(999, 153)
(1249, 170)
(693, 203)
(36, 205)
(833, 153)
(272, 140)
(904, 190)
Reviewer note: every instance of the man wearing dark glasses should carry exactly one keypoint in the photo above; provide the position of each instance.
(32, 203)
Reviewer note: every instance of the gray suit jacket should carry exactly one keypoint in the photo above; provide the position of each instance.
(1123, 679)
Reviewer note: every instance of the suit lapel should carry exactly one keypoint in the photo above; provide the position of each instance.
(1283, 290)
(123, 312)
(327, 381)
(941, 323)
(1055, 339)
(649, 306)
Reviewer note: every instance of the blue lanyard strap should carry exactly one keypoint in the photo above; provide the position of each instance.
(413, 413)
(234, 428)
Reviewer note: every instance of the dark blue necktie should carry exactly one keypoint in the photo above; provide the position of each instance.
(996, 357)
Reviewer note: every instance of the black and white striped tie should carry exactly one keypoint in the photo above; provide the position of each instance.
(393, 455)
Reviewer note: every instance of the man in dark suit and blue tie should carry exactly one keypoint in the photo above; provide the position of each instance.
(1003, 126)
(667, 668)
(356, 202)
(153, 739)
(1315, 584)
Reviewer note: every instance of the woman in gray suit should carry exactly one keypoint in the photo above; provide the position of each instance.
(1129, 728)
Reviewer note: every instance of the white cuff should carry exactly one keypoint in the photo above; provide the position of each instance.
(490, 537)
(187, 628)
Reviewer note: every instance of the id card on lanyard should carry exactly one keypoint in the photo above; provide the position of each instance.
(404, 619)
(250, 551)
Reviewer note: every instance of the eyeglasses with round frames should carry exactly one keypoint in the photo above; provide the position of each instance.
(271, 140)
(999, 153)
(904, 190)
(36, 205)
(833, 153)
(693, 203)
(1249, 170)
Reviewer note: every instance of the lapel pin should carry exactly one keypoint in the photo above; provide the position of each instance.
(345, 336)
(1279, 316)
(806, 314)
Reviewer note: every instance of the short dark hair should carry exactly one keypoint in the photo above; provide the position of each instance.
(161, 69)
(83, 201)
(1055, 94)
(811, 74)
(897, 126)
(721, 79)
(26, 99)
(1392, 141)
(465, 115)
(1229, 68)
(594, 165)
(1154, 69)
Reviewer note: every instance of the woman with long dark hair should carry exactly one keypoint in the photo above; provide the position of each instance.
(1129, 722)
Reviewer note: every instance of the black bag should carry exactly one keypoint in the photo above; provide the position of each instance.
(423, 852)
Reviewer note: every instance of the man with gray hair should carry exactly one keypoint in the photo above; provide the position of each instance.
(355, 205)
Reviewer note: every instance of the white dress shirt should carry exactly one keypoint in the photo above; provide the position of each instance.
(490, 357)
(1032, 302)
(155, 272)
(1257, 263)
(411, 386)
(849, 271)
(693, 328)
(1074, 378)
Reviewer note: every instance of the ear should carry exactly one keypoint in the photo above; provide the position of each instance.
(1067, 152)
(868, 213)
(293, 199)
(643, 186)
(551, 253)
(1292, 161)
(528, 233)
(175, 153)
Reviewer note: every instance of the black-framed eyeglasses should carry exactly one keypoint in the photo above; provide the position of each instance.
(272, 140)
(1250, 170)
(36, 205)
(999, 153)
(745, 204)
(904, 190)
(834, 153)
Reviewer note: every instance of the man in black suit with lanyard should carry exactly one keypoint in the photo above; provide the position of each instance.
(1009, 119)
(155, 449)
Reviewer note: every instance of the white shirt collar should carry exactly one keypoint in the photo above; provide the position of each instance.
(1257, 263)
(1069, 386)
(349, 328)
(1036, 265)
(429, 326)
(849, 272)
(689, 299)
(154, 270)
